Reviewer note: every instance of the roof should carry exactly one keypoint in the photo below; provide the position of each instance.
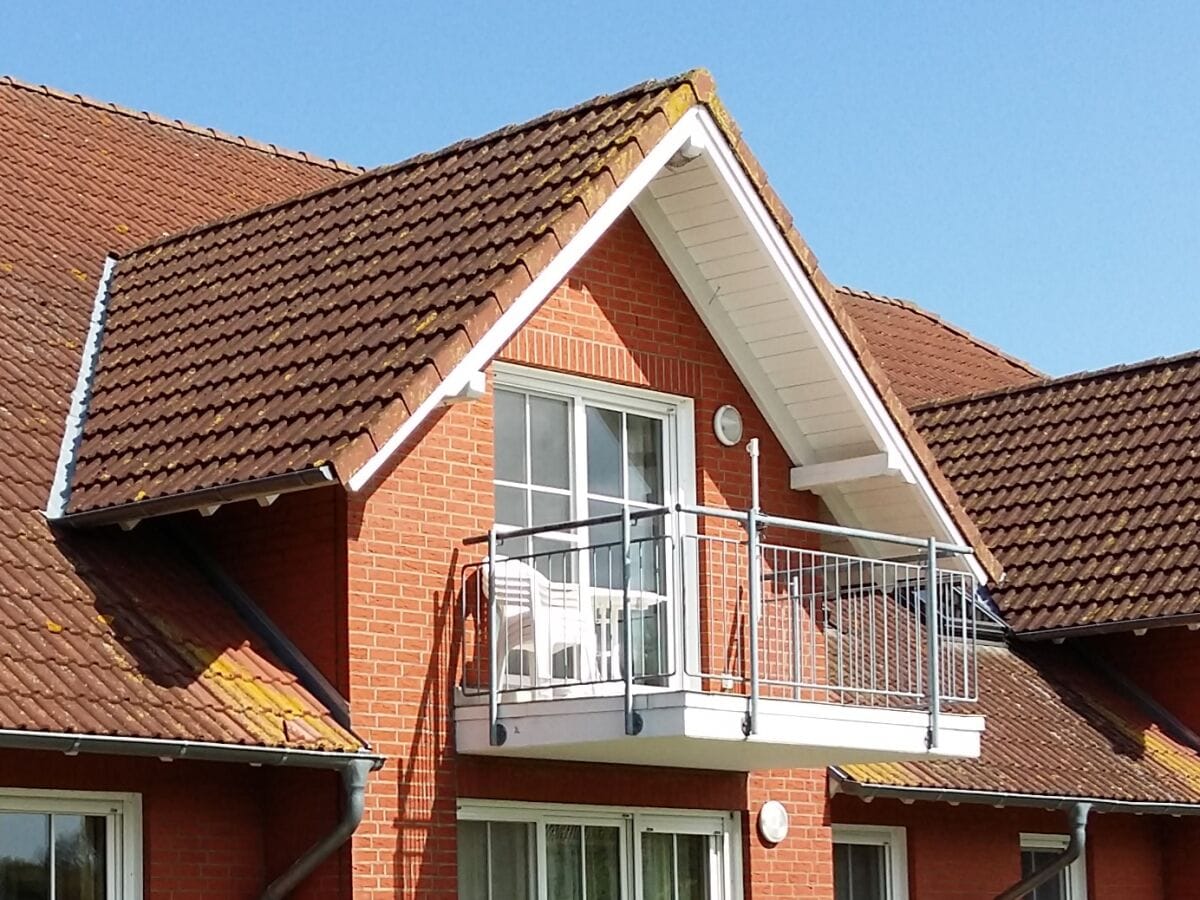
(926, 357)
(305, 333)
(1087, 487)
(98, 639)
(1056, 729)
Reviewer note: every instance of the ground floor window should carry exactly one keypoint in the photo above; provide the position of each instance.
(1039, 850)
(515, 851)
(869, 863)
(69, 846)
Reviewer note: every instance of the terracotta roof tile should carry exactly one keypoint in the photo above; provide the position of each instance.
(926, 357)
(113, 634)
(264, 343)
(1088, 489)
(1055, 728)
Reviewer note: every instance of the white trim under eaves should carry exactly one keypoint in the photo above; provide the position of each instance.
(533, 296)
(60, 490)
(830, 336)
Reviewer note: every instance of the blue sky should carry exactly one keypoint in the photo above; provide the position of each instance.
(1027, 170)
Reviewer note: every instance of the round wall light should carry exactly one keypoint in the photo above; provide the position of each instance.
(772, 821)
(727, 425)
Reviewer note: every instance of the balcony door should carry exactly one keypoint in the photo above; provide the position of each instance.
(572, 449)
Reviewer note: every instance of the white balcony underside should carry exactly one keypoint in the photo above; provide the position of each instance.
(695, 730)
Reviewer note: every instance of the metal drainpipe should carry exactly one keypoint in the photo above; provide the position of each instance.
(1074, 849)
(354, 788)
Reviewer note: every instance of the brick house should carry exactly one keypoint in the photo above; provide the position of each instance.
(403, 539)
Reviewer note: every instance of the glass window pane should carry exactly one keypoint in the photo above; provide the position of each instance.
(606, 561)
(658, 866)
(549, 442)
(1031, 861)
(644, 437)
(604, 451)
(602, 850)
(511, 861)
(691, 858)
(79, 857)
(564, 862)
(24, 856)
(472, 861)
(510, 506)
(860, 872)
(549, 509)
(510, 436)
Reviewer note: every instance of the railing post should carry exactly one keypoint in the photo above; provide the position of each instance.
(933, 690)
(496, 731)
(633, 722)
(755, 585)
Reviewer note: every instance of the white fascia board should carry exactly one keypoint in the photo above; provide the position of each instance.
(64, 470)
(688, 127)
(831, 474)
(830, 337)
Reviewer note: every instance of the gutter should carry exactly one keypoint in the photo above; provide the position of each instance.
(1072, 631)
(843, 784)
(1074, 849)
(129, 514)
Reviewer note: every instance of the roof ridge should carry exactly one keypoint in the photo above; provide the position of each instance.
(363, 175)
(944, 323)
(216, 134)
(1058, 380)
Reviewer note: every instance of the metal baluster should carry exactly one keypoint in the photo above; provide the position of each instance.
(932, 626)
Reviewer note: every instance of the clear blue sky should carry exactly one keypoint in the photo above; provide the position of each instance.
(1028, 170)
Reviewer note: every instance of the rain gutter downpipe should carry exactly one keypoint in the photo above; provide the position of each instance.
(1074, 849)
(354, 789)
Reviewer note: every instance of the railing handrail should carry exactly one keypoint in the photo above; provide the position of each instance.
(635, 515)
(765, 520)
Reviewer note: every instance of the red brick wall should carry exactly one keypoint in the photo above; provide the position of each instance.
(1160, 662)
(204, 833)
(405, 549)
(1180, 838)
(972, 852)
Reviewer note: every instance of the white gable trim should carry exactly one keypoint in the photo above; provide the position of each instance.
(535, 294)
(64, 470)
(697, 127)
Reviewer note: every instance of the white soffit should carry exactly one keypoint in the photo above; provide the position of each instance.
(729, 257)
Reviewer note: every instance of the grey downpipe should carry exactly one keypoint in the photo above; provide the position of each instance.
(1074, 849)
(354, 790)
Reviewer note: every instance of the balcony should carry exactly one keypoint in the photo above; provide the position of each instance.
(717, 639)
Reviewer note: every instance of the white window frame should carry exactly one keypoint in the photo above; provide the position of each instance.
(123, 833)
(894, 840)
(679, 471)
(633, 822)
(1076, 872)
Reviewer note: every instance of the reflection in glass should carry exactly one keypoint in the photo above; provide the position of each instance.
(1031, 861)
(604, 452)
(658, 866)
(510, 436)
(24, 856)
(564, 862)
(549, 443)
(79, 856)
(691, 858)
(499, 854)
(602, 854)
(859, 872)
(644, 437)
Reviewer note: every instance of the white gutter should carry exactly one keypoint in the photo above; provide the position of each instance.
(170, 750)
(60, 490)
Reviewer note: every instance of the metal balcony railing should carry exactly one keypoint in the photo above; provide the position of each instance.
(736, 602)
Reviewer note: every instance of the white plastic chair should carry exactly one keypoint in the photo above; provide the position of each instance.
(543, 619)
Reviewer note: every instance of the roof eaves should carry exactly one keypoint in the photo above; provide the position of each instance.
(842, 783)
(64, 470)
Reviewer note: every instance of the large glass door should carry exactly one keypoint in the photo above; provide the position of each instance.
(681, 860)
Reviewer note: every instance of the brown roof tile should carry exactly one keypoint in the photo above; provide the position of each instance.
(926, 357)
(1087, 487)
(272, 342)
(113, 634)
(1054, 728)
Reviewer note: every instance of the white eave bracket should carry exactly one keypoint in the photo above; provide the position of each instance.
(474, 388)
(819, 476)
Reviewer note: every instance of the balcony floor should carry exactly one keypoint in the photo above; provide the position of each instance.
(692, 729)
